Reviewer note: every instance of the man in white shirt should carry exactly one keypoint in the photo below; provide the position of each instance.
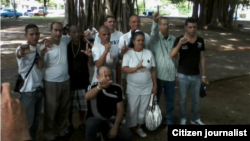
(104, 54)
(57, 86)
(125, 39)
(29, 67)
(92, 31)
(114, 40)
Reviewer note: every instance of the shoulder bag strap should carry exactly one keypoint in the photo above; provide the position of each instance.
(36, 58)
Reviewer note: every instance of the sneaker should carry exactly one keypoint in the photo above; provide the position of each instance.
(183, 122)
(197, 122)
(141, 133)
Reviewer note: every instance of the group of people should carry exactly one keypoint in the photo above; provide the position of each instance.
(128, 68)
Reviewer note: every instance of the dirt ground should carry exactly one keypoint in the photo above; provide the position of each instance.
(227, 101)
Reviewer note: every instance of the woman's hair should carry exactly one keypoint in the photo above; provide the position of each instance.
(134, 35)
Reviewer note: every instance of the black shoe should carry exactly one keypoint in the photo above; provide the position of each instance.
(82, 127)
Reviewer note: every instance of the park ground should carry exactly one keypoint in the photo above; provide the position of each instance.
(227, 68)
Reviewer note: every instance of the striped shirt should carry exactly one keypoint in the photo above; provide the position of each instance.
(161, 48)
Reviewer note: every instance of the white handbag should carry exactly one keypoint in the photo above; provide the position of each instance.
(153, 117)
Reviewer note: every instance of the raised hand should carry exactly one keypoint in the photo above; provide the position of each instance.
(46, 47)
(103, 82)
(107, 47)
(157, 16)
(25, 49)
(183, 40)
(124, 48)
(88, 51)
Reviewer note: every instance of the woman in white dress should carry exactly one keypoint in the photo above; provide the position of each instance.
(139, 65)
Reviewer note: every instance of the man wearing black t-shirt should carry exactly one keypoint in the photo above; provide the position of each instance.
(79, 56)
(191, 56)
(104, 99)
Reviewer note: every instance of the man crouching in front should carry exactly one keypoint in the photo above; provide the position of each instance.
(103, 100)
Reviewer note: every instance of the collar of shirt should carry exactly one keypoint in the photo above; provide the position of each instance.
(162, 37)
(130, 33)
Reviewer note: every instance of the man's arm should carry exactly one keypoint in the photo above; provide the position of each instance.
(41, 62)
(101, 61)
(119, 115)
(154, 35)
(178, 44)
(42, 51)
(92, 93)
(202, 54)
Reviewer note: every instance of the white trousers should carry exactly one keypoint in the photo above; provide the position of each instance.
(136, 109)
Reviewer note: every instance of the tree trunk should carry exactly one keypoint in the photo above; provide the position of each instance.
(195, 9)
(15, 10)
(137, 7)
(217, 13)
(96, 10)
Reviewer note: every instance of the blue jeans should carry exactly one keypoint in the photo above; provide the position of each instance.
(192, 83)
(169, 91)
(32, 103)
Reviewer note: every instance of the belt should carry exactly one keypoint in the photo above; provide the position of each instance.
(39, 89)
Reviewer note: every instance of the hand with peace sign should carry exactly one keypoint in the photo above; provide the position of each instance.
(103, 82)
(45, 48)
(25, 49)
(88, 51)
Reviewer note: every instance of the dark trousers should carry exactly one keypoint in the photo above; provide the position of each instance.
(95, 125)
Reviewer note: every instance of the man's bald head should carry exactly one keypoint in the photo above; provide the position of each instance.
(101, 70)
(104, 34)
(103, 28)
(104, 72)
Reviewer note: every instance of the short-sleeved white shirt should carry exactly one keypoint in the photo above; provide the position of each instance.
(34, 79)
(127, 37)
(56, 62)
(140, 82)
(114, 40)
(92, 32)
(111, 59)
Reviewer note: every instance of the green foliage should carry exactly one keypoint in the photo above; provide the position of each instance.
(164, 2)
(140, 7)
(177, 1)
(5, 2)
(52, 3)
(183, 8)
